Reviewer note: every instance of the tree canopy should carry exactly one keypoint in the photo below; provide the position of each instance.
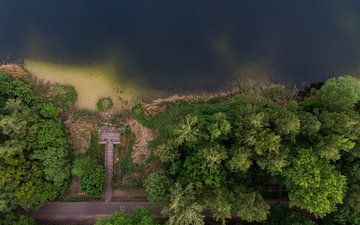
(228, 154)
(34, 156)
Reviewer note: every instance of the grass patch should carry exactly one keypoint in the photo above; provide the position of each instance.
(96, 151)
(64, 96)
(126, 171)
(131, 198)
(84, 113)
(139, 114)
(104, 104)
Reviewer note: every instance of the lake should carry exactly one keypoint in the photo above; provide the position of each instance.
(188, 45)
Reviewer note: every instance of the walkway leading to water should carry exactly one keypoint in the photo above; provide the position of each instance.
(109, 137)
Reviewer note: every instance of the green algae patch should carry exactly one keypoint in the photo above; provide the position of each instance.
(91, 83)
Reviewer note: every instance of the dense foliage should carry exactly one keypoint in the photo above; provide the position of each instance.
(139, 216)
(88, 168)
(15, 218)
(227, 154)
(34, 156)
(281, 215)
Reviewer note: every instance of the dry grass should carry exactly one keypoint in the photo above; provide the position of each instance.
(79, 131)
(143, 136)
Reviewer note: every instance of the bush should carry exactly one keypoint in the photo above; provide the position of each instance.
(140, 116)
(157, 187)
(88, 168)
(104, 103)
(139, 216)
(80, 165)
(17, 219)
(92, 181)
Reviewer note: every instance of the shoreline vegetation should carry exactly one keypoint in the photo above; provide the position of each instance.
(225, 152)
(92, 82)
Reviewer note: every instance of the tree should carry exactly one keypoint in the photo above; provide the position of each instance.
(183, 208)
(240, 160)
(315, 184)
(218, 126)
(34, 157)
(219, 203)
(157, 187)
(262, 139)
(250, 206)
(187, 131)
(287, 123)
(338, 94)
(339, 132)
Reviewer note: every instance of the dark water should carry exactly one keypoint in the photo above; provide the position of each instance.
(189, 44)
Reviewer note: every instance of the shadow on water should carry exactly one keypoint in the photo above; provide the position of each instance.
(186, 44)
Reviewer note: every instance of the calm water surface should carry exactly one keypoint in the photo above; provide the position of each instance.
(189, 44)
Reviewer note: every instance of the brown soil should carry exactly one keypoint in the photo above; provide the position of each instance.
(129, 194)
(74, 189)
(143, 136)
(159, 105)
(79, 131)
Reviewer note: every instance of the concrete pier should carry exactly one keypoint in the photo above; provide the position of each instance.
(109, 137)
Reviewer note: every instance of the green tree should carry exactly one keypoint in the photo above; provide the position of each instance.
(34, 157)
(218, 126)
(183, 208)
(250, 206)
(240, 160)
(187, 131)
(219, 202)
(315, 184)
(265, 138)
(157, 187)
(338, 94)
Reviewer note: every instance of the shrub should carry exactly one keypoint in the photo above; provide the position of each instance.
(92, 181)
(139, 216)
(104, 103)
(80, 165)
(17, 219)
(140, 116)
(157, 187)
